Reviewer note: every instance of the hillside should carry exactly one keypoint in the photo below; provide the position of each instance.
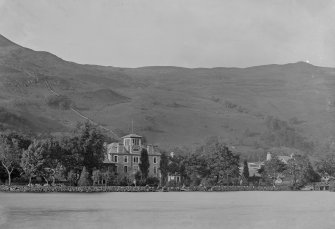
(169, 105)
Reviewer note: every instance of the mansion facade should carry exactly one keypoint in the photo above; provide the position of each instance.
(125, 156)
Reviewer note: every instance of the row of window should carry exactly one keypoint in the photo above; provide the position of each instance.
(134, 141)
(136, 159)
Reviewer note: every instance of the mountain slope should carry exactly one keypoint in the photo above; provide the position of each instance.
(169, 105)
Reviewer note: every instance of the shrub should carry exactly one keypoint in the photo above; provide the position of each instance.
(84, 178)
(208, 182)
(138, 177)
(125, 181)
(152, 181)
(172, 183)
(72, 178)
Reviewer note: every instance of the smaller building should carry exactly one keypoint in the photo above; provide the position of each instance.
(254, 176)
(284, 159)
(253, 168)
(173, 177)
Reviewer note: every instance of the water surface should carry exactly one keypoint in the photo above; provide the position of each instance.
(168, 210)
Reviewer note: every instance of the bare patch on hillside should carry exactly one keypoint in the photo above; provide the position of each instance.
(97, 99)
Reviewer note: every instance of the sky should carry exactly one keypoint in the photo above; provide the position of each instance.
(187, 33)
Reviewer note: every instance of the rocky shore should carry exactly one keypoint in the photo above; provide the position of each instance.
(90, 189)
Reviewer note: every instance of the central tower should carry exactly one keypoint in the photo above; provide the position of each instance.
(132, 143)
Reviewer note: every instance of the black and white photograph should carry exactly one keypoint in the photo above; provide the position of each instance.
(167, 114)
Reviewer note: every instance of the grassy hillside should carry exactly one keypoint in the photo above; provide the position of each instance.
(169, 105)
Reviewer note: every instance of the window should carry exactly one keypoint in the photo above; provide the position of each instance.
(125, 169)
(136, 159)
(155, 169)
(136, 168)
(116, 158)
(155, 160)
(125, 159)
(127, 142)
(136, 141)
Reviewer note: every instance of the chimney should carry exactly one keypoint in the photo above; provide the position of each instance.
(150, 149)
(118, 149)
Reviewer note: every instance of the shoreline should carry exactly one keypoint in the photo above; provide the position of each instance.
(95, 189)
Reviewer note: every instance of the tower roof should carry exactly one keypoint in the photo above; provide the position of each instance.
(132, 136)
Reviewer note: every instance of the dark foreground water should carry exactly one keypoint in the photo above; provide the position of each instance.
(168, 210)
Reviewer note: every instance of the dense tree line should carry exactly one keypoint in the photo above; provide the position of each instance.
(51, 159)
(214, 163)
(298, 171)
(78, 160)
(211, 164)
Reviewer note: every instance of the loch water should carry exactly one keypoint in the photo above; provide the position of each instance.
(203, 210)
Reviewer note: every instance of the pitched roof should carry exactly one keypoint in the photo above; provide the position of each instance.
(252, 171)
(132, 136)
(117, 148)
(284, 159)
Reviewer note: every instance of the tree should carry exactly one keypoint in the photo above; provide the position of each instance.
(173, 167)
(326, 165)
(300, 170)
(144, 164)
(52, 155)
(32, 160)
(164, 166)
(84, 178)
(273, 168)
(11, 146)
(91, 142)
(194, 168)
(72, 178)
(9, 156)
(223, 163)
(3, 174)
(246, 170)
(84, 149)
(71, 159)
(109, 177)
(138, 177)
